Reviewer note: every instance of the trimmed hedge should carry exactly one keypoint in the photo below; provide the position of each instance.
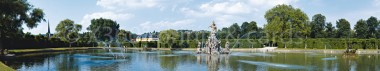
(25, 43)
(330, 43)
(313, 43)
(139, 44)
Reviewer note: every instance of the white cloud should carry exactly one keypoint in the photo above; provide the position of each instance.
(376, 2)
(226, 20)
(225, 8)
(233, 11)
(120, 4)
(86, 21)
(180, 24)
(234, 7)
(270, 2)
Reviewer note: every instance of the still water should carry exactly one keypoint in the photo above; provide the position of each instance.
(135, 60)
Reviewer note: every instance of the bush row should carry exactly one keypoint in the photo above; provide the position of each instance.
(319, 43)
(329, 43)
(139, 44)
(42, 43)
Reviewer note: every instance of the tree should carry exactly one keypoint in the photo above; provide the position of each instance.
(343, 28)
(105, 30)
(372, 25)
(330, 31)
(284, 21)
(378, 31)
(68, 31)
(168, 37)
(234, 30)
(248, 29)
(361, 29)
(14, 13)
(89, 38)
(222, 34)
(124, 36)
(317, 26)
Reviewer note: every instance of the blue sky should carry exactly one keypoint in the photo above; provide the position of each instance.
(141, 16)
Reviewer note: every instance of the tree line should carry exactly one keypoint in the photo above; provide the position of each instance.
(283, 22)
(15, 13)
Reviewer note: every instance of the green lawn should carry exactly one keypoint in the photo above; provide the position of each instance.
(4, 67)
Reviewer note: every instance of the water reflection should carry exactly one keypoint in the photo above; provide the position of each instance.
(134, 60)
(214, 62)
(266, 64)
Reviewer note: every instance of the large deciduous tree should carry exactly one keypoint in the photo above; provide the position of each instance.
(124, 36)
(284, 21)
(105, 30)
(372, 26)
(317, 26)
(14, 13)
(343, 28)
(248, 29)
(361, 29)
(89, 38)
(234, 30)
(68, 31)
(330, 30)
(168, 37)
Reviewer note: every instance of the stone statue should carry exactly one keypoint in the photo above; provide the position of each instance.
(227, 46)
(213, 44)
(213, 28)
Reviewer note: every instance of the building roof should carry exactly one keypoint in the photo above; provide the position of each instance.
(148, 35)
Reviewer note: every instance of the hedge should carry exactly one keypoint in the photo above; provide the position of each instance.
(23, 43)
(330, 43)
(313, 43)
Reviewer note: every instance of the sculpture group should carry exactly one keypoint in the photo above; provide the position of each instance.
(213, 45)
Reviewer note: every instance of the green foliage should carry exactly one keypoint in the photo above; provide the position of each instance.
(330, 43)
(68, 31)
(168, 37)
(317, 26)
(13, 14)
(378, 33)
(124, 36)
(330, 31)
(105, 30)
(284, 21)
(249, 30)
(343, 28)
(234, 30)
(361, 29)
(16, 12)
(87, 37)
(372, 26)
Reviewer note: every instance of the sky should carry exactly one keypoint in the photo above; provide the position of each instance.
(141, 16)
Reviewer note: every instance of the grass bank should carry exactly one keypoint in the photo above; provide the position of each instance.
(4, 67)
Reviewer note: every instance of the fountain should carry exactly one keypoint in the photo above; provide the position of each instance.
(213, 45)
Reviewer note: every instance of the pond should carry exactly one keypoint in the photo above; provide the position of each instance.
(136, 60)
